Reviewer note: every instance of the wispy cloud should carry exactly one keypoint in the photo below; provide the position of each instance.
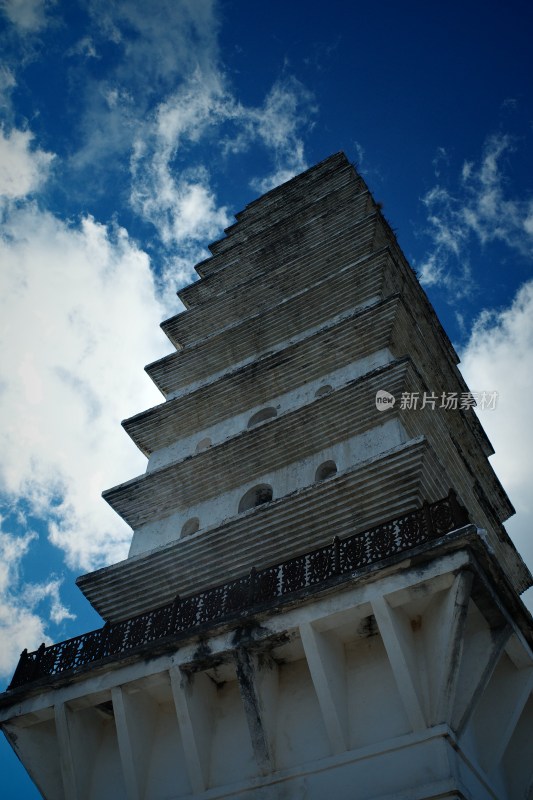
(478, 210)
(179, 202)
(279, 124)
(154, 53)
(158, 48)
(160, 104)
(36, 593)
(7, 84)
(20, 625)
(84, 47)
(26, 609)
(29, 16)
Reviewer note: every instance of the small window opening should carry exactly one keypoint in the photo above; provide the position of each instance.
(255, 496)
(326, 470)
(323, 390)
(203, 444)
(261, 416)
(191, 526)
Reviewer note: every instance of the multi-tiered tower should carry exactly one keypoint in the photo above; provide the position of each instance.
(320, 598)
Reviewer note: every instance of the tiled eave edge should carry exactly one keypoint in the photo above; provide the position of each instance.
(338, 416)
(274, 325)
(297, 193)
(391, 322)
(260, 253)
(260, 590)
(375, 489)
(490, 585)
(254, 256)
(274, 276)
(296, 364)
(342, 414)
(138, 427)
(296, 188)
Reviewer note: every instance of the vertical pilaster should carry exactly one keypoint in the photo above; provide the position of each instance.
(258, 684)
(326, 661)
(134, 721)
(193, 699)
(443, 633)
(66, 760)
(395, 630)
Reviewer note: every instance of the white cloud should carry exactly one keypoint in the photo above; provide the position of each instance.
(278, 124)
(27, 15)
(181, 204)
(20, 626)
(7, 84)
(155, 53)
(35, 593)
(84, 47)
(79, 321)
(479, 211)
(499, 356)
(528, 222)
(360, 152)
(162, 45)
(25, 608)
(166, 95)
(23, 170)
(440, 160)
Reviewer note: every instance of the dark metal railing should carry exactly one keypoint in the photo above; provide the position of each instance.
(259, 589)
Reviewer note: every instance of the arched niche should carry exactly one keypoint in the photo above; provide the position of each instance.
(322, 390)
(262, 415)
(326, 470)
(256, 496)
(190, 527)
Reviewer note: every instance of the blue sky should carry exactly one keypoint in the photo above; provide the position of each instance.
(132, 132)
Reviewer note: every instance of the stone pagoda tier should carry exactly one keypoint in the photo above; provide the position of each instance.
(320, 592)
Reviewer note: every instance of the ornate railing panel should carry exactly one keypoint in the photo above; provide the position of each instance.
(260, 588)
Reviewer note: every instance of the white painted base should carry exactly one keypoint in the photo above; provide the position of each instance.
(395, 688)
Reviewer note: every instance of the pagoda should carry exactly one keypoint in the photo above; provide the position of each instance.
(320, 599)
